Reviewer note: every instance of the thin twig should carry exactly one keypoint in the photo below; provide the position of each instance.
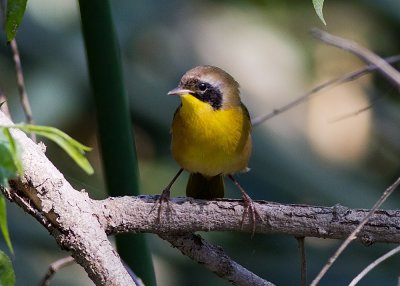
(21, 85)
(366, 55)
(54, 267)
(358, 111)
(350, 114)
(374, 264)
(353, 235)
(353, 113)
(325, 86)
(303, 261)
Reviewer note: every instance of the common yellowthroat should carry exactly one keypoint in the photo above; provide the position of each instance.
(211, 134)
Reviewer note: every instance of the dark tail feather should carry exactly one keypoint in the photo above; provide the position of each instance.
(200, 187)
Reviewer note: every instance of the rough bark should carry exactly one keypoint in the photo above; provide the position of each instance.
(65, 212)
(134, 214)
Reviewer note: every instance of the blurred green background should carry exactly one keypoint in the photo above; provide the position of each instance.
(309, 155)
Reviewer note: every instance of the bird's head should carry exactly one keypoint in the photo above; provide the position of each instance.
(211, 85)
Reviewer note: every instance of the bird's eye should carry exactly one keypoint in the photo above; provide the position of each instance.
(202, 86)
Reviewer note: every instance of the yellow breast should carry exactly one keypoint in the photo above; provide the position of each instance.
(209, 141)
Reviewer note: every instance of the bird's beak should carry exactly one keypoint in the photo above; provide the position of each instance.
(179, 91)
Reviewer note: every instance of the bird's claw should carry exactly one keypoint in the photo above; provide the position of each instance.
(163, 198)
(250, 208)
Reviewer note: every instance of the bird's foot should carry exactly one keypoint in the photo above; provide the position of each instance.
(162, 199)
(165, 196)
(251, 210)
(248, 205)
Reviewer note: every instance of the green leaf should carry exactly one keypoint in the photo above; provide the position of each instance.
(8, 169)
(73, 148)
(7, 275)
(318, 5)
(14, 15)
(3, 223)
(14, 151)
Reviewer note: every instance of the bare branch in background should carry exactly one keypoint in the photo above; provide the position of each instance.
(21, 85)
(394, 76)
(303, 261)
(350, 114)
(373, 265)
(356, 231)
(54, 267)
(365, 54)
(358, 111)
(351, 76)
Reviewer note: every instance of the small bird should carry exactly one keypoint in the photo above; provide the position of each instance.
(211, 134)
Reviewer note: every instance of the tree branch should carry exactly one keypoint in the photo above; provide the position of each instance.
(214, 259)
(133, 214)
(68, 214)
